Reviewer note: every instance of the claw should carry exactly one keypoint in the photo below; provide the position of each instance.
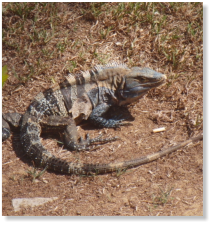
(103, 141)
(90, 144)
(87, 137)
(125, 124)
(96, 139)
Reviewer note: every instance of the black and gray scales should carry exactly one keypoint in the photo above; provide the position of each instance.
(84, 96)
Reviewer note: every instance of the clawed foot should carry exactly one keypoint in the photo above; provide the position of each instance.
(88, 144)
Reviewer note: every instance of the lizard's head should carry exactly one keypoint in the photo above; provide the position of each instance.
(138, 82)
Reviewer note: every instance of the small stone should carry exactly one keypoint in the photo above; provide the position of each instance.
(30, 202)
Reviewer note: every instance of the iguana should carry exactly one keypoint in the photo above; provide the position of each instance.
(84, 96)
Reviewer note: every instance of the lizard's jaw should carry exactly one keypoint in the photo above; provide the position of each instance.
(155, 82)
(136, 90)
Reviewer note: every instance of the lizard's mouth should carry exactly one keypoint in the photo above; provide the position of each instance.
(153, 82)
(145, 85)
(136, 89)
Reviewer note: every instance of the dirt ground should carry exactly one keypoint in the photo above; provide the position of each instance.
(79, 36)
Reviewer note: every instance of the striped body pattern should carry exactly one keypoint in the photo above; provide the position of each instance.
(84, 96)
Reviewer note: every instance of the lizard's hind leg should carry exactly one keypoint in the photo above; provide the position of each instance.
(71, 137)
(74, 142)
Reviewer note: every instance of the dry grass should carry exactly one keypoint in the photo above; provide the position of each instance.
(43, 41)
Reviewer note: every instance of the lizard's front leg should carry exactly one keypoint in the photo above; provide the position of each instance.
(97, 119)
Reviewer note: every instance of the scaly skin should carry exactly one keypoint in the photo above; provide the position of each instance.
(86, 96)
(87, 169)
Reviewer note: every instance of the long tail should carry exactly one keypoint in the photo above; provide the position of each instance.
(111, 167)
(159, 154)
(30, 138)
